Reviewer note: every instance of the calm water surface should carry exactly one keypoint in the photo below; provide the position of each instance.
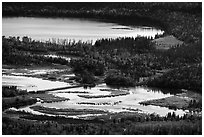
(44, 29)
(30, 83)
(129, 102)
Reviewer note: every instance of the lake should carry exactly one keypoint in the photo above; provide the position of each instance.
(52, 29)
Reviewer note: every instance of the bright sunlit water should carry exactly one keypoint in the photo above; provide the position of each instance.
(30, 83)
(130, 101)
(127, 102)
(44, 29)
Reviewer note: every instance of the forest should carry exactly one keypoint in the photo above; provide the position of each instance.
(120, 124)
(128, 59)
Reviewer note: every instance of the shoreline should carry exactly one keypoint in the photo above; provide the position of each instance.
(182, 101)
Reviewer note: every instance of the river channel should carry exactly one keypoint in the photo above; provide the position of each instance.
(101, 97)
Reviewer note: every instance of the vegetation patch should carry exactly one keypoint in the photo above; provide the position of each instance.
(117, 79)
(116, 91)
(102, 96)
(12, 91)
(172, 102)
(100, 103)
(180, 101)
(17, 101)
(66, 112)
(167, 42)
(112, 124)
(48, 98)
(186, 77)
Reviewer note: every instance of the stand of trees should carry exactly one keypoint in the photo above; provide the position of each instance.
(13, 97)
(115, 78)
(133, 58)
(12, 91)
(187, 77)
(123, 125)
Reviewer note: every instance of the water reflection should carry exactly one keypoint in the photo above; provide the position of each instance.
(30, 83)
(76, 29)
(128, 102)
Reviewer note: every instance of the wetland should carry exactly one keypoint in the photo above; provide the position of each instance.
(94, 72)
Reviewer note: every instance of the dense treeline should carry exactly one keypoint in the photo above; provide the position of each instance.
(29, 60)
(12, 91)
(59, 46)
(96, 67)
(28, 52)
(58, 7)
(184, 54)
(131, 58)
(125, 55)
(14, 97)
(123, 125)
(17, 102)
(188, 77)
(116, 78)
(132, 45)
